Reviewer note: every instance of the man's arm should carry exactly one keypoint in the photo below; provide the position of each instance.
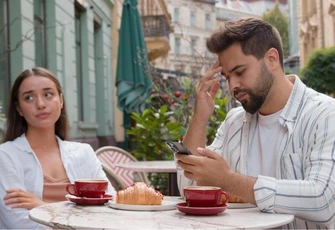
(204, 106)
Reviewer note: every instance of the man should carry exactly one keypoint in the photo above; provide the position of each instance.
(277, 150)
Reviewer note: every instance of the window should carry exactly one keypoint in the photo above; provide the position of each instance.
(177, 45)
(208, 21)
(79, 63)
(40, 33)
(196, 70)
(4, 57)
(192, 18)
(193, 46)
(179, 67)
(176, 15)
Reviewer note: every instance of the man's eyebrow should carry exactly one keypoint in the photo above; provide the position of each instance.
(233, 69)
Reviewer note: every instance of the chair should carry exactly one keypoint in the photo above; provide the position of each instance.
(111, 156)
(115, 180)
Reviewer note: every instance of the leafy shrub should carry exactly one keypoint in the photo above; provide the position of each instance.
(319, 72)
(167, 118)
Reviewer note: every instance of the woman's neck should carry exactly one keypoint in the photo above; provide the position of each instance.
(41, 138)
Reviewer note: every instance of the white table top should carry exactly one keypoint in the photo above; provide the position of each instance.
(69, 215)
(150, 166)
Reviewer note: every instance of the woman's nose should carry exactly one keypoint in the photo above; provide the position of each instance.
(40, 104)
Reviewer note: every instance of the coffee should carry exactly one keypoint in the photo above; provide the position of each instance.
(204, 196)
(91, 188)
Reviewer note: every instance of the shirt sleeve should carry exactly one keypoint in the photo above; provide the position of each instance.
(97, 171)
(308, 191)
(12, 177)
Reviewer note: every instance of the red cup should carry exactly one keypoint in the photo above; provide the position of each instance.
(204, 196)
(88, 188)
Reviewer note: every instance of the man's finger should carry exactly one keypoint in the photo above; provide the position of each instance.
(207, 153)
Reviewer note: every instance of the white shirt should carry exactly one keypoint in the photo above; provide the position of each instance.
(304, 184)
(20, 169)
(264, 142)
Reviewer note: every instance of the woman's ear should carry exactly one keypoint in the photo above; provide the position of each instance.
(18, 109)
(61, 100)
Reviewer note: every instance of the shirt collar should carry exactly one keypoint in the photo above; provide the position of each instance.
(294, 103)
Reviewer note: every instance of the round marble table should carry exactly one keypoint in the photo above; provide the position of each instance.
(69, 215)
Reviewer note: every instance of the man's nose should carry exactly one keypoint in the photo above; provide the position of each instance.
(233, 83)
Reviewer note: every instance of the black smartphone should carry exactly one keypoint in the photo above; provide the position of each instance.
(178, 147)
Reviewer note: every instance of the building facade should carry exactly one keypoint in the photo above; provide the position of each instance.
(316, 26)
(72, 38)
(193, 21)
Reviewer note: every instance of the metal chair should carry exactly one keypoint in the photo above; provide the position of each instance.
(111, 156)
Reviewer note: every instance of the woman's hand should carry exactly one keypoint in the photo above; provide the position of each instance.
(18, 198)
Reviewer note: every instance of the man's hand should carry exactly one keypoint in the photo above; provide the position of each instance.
(210, 168)
(205, 92)
(21, 199)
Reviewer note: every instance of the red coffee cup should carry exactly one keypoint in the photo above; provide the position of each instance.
(204, 196)
(88, 188)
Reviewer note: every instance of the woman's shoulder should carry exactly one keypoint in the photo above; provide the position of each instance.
(17, 143)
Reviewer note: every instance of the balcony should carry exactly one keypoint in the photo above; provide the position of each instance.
(155, 26)
(156, 31)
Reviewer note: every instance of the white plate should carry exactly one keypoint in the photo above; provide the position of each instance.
(166, 205)
(240, 205)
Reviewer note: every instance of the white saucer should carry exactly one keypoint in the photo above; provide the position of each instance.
(240, 205)
(166, 205)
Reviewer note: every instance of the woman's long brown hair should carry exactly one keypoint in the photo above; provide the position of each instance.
(16, 125)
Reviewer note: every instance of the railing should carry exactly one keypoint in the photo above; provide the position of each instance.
(155, 26)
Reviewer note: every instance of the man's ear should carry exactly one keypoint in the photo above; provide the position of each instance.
(272, 58)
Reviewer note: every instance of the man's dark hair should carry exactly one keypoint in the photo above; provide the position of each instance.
(255, 36)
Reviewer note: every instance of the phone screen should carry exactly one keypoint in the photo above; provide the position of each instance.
(178, 147)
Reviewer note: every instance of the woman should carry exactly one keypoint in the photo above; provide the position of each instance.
(36, 161)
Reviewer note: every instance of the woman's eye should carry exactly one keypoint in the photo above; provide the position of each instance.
(48, 94)
(28, 98)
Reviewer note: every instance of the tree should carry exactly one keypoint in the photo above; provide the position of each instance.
(280, 21)
(319, 72)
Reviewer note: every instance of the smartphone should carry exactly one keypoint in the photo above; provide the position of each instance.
(178, 147)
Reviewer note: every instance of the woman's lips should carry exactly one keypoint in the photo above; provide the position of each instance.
(42, 115)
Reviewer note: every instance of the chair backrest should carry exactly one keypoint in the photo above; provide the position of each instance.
(112, 155)
(115, 180)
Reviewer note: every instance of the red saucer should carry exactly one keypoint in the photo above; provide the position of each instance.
(200, 210)
(89, 201)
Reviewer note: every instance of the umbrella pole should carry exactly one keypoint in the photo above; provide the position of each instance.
(126, 124)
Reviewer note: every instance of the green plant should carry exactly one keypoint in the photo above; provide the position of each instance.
(319, 72)
(167, 118)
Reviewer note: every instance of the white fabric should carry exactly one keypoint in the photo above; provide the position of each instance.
(304, 184)
(20, 169)
(262, 155)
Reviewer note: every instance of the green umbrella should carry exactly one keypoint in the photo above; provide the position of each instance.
(133, 78)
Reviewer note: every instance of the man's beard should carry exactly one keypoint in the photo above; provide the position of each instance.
(257, 95)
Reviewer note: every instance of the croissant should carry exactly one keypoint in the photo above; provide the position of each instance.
(235, 199)
(139, 194)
